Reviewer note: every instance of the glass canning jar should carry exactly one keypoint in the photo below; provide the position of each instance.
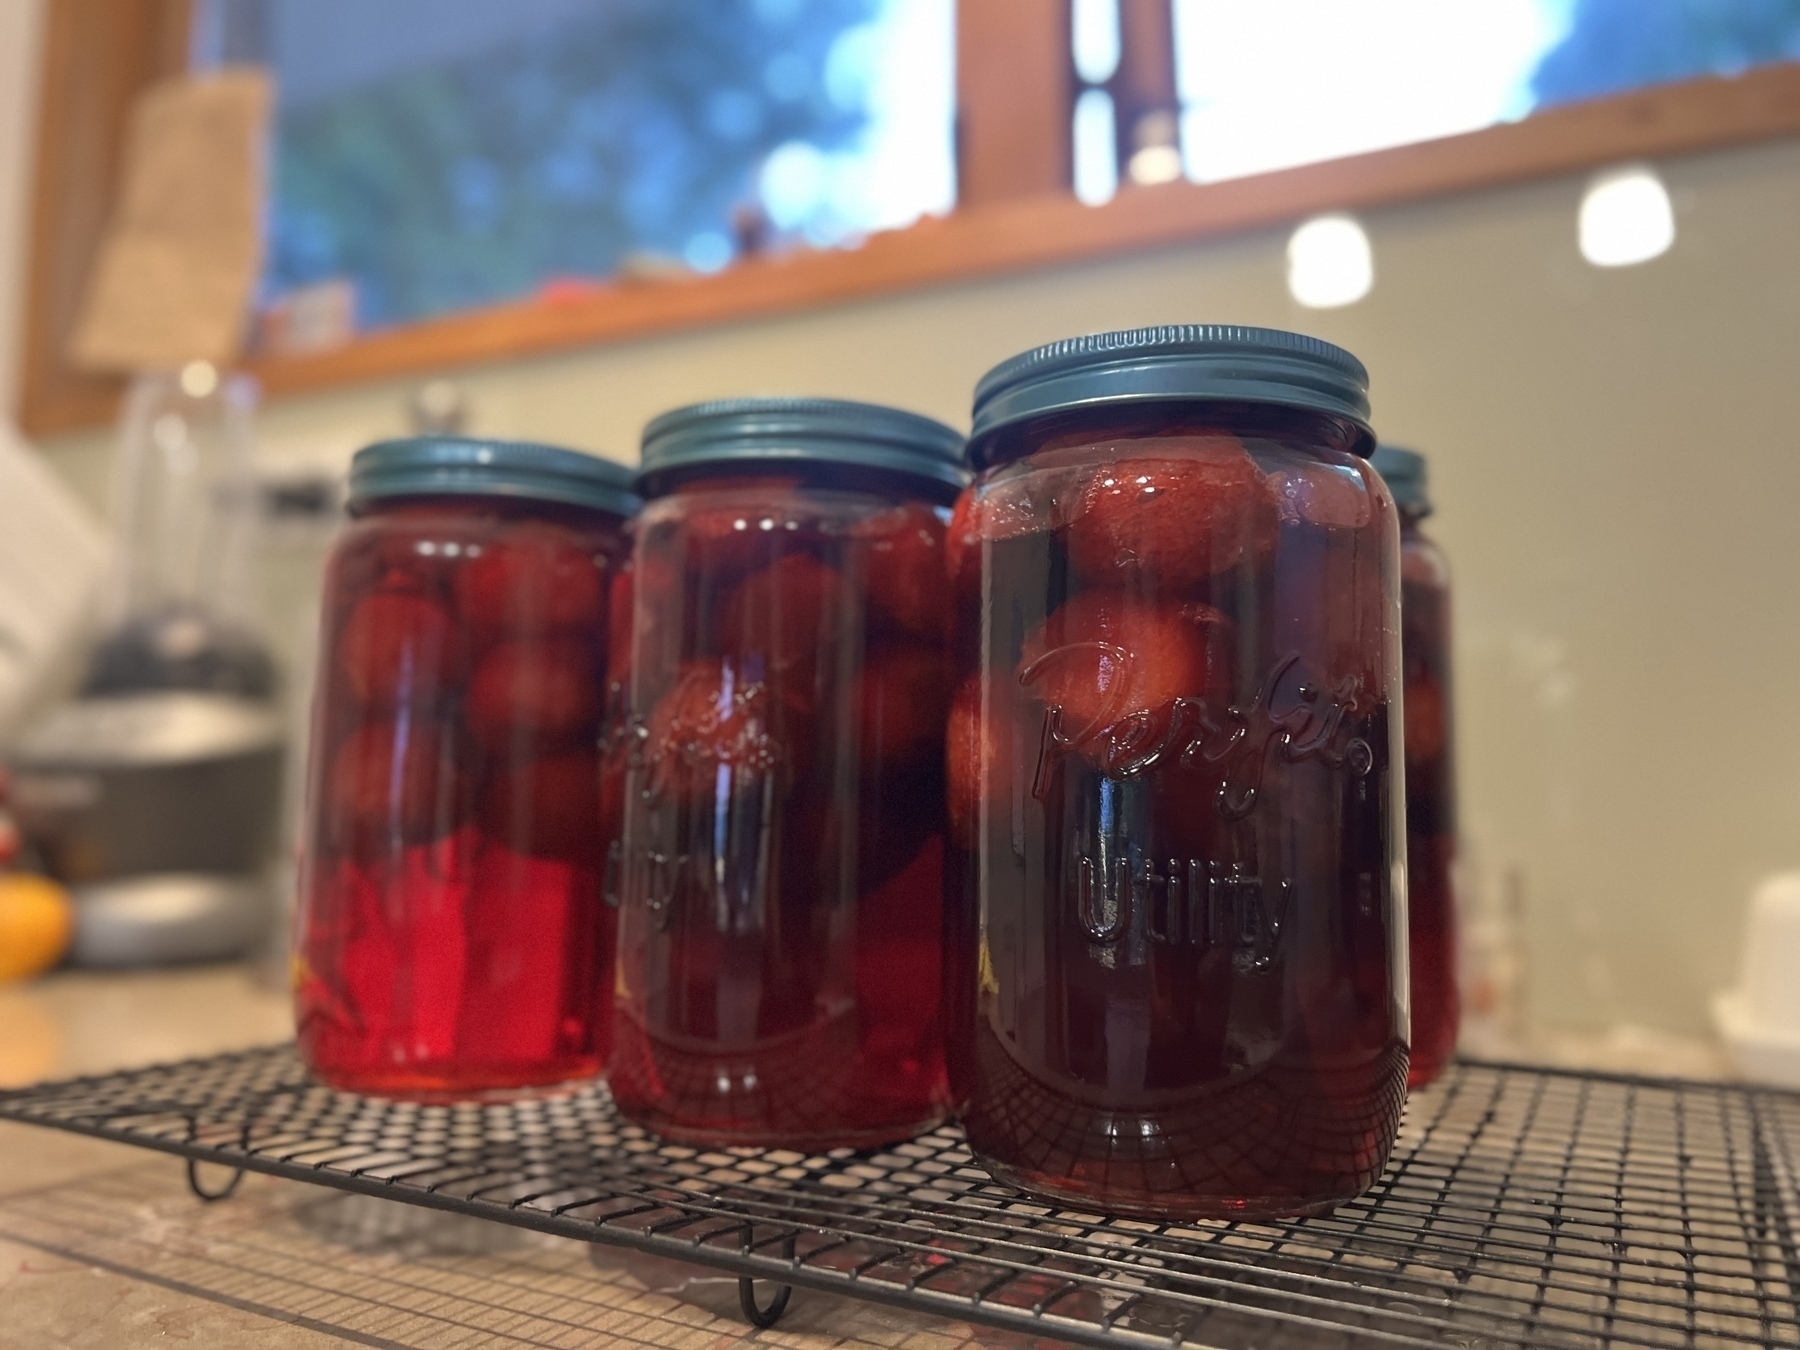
(451, 938)
(1430, 768)
(781, 860)
(1178, 946)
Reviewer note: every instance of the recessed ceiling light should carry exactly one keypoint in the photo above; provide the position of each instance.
(1626, 218)
(1155, 164)
(199, 379)
(1330, 262)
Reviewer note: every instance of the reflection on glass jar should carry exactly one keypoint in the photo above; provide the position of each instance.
(780, 869)
(1430, 769)
(451, 937)
(1178, 982)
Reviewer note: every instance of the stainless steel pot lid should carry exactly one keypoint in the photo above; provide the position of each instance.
(148, 729)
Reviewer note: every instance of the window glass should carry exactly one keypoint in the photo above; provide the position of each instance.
(1267, 84)
(442, 154)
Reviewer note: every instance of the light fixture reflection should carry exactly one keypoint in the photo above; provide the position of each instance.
(1156, 156)
(1156, 164)
(1096, 151)
(1330, 263)
(199, 378)
(1626, 218)
(1095, 39)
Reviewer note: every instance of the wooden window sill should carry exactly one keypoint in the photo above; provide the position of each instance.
(1032, 233)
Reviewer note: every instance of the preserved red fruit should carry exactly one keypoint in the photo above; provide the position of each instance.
(739, 534)
(534, 579)
(385, 776)
(618, 633)
(1334, 496)
(452, 939)
(1427, 719)
(720, 715)
(1109, 664)
(781, 855)
(1430, 771)
(532, 693)
(384, 963)
(395, 642)
(1020, 500)
(906, 568)
(962, 541)
(898, 971)
(786, 612)
(1194, 507)
(902, 697)
(968, 753)
(547, 807)
(529, 950)
(1171, 976)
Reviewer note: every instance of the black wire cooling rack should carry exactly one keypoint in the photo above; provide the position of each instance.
(1523, 1207)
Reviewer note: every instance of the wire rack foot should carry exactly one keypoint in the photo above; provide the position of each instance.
(209, 1197)
(759, 1317)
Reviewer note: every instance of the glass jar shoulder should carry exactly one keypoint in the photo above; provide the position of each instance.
(1094, 486)
(717, 554)
(427, 539)
(779, 505)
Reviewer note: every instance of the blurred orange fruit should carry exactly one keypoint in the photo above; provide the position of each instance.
(37, 922)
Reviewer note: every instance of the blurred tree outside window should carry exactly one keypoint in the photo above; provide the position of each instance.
(1611, 46)
(446, 154)
(434, 156)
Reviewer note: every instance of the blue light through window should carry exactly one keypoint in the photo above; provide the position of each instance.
(1267, 84)
(443, 154)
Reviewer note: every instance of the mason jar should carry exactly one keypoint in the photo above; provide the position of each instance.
(1174, 777)
(451, 936)
(780, 867)
(1430, 768)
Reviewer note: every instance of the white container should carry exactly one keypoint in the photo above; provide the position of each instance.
(1760, 1019)
(52, 556)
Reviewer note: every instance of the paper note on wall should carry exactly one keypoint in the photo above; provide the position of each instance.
(179, 264)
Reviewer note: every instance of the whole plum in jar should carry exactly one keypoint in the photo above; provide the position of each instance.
(451, 935)
(1177, 927)
(1430, 768)
(782, 851)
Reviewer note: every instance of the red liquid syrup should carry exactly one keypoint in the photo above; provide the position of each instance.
(452, 939)
(782, 859)
(1175, 941)
(1430, 803)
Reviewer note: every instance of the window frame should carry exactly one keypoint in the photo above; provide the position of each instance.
(1014, 214)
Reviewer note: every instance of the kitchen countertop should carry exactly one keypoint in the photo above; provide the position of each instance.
(102, 1245)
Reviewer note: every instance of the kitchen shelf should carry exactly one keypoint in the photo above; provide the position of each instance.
(1523, 1207)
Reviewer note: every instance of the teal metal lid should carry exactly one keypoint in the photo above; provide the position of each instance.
(1175, 362)
(767, 431)
(466, 466)
(1404, 471)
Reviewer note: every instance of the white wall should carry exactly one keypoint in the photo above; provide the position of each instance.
(1615, 461)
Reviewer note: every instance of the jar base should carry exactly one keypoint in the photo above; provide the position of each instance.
(1162, 1206)
(444, 1089)
(706, 1136)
